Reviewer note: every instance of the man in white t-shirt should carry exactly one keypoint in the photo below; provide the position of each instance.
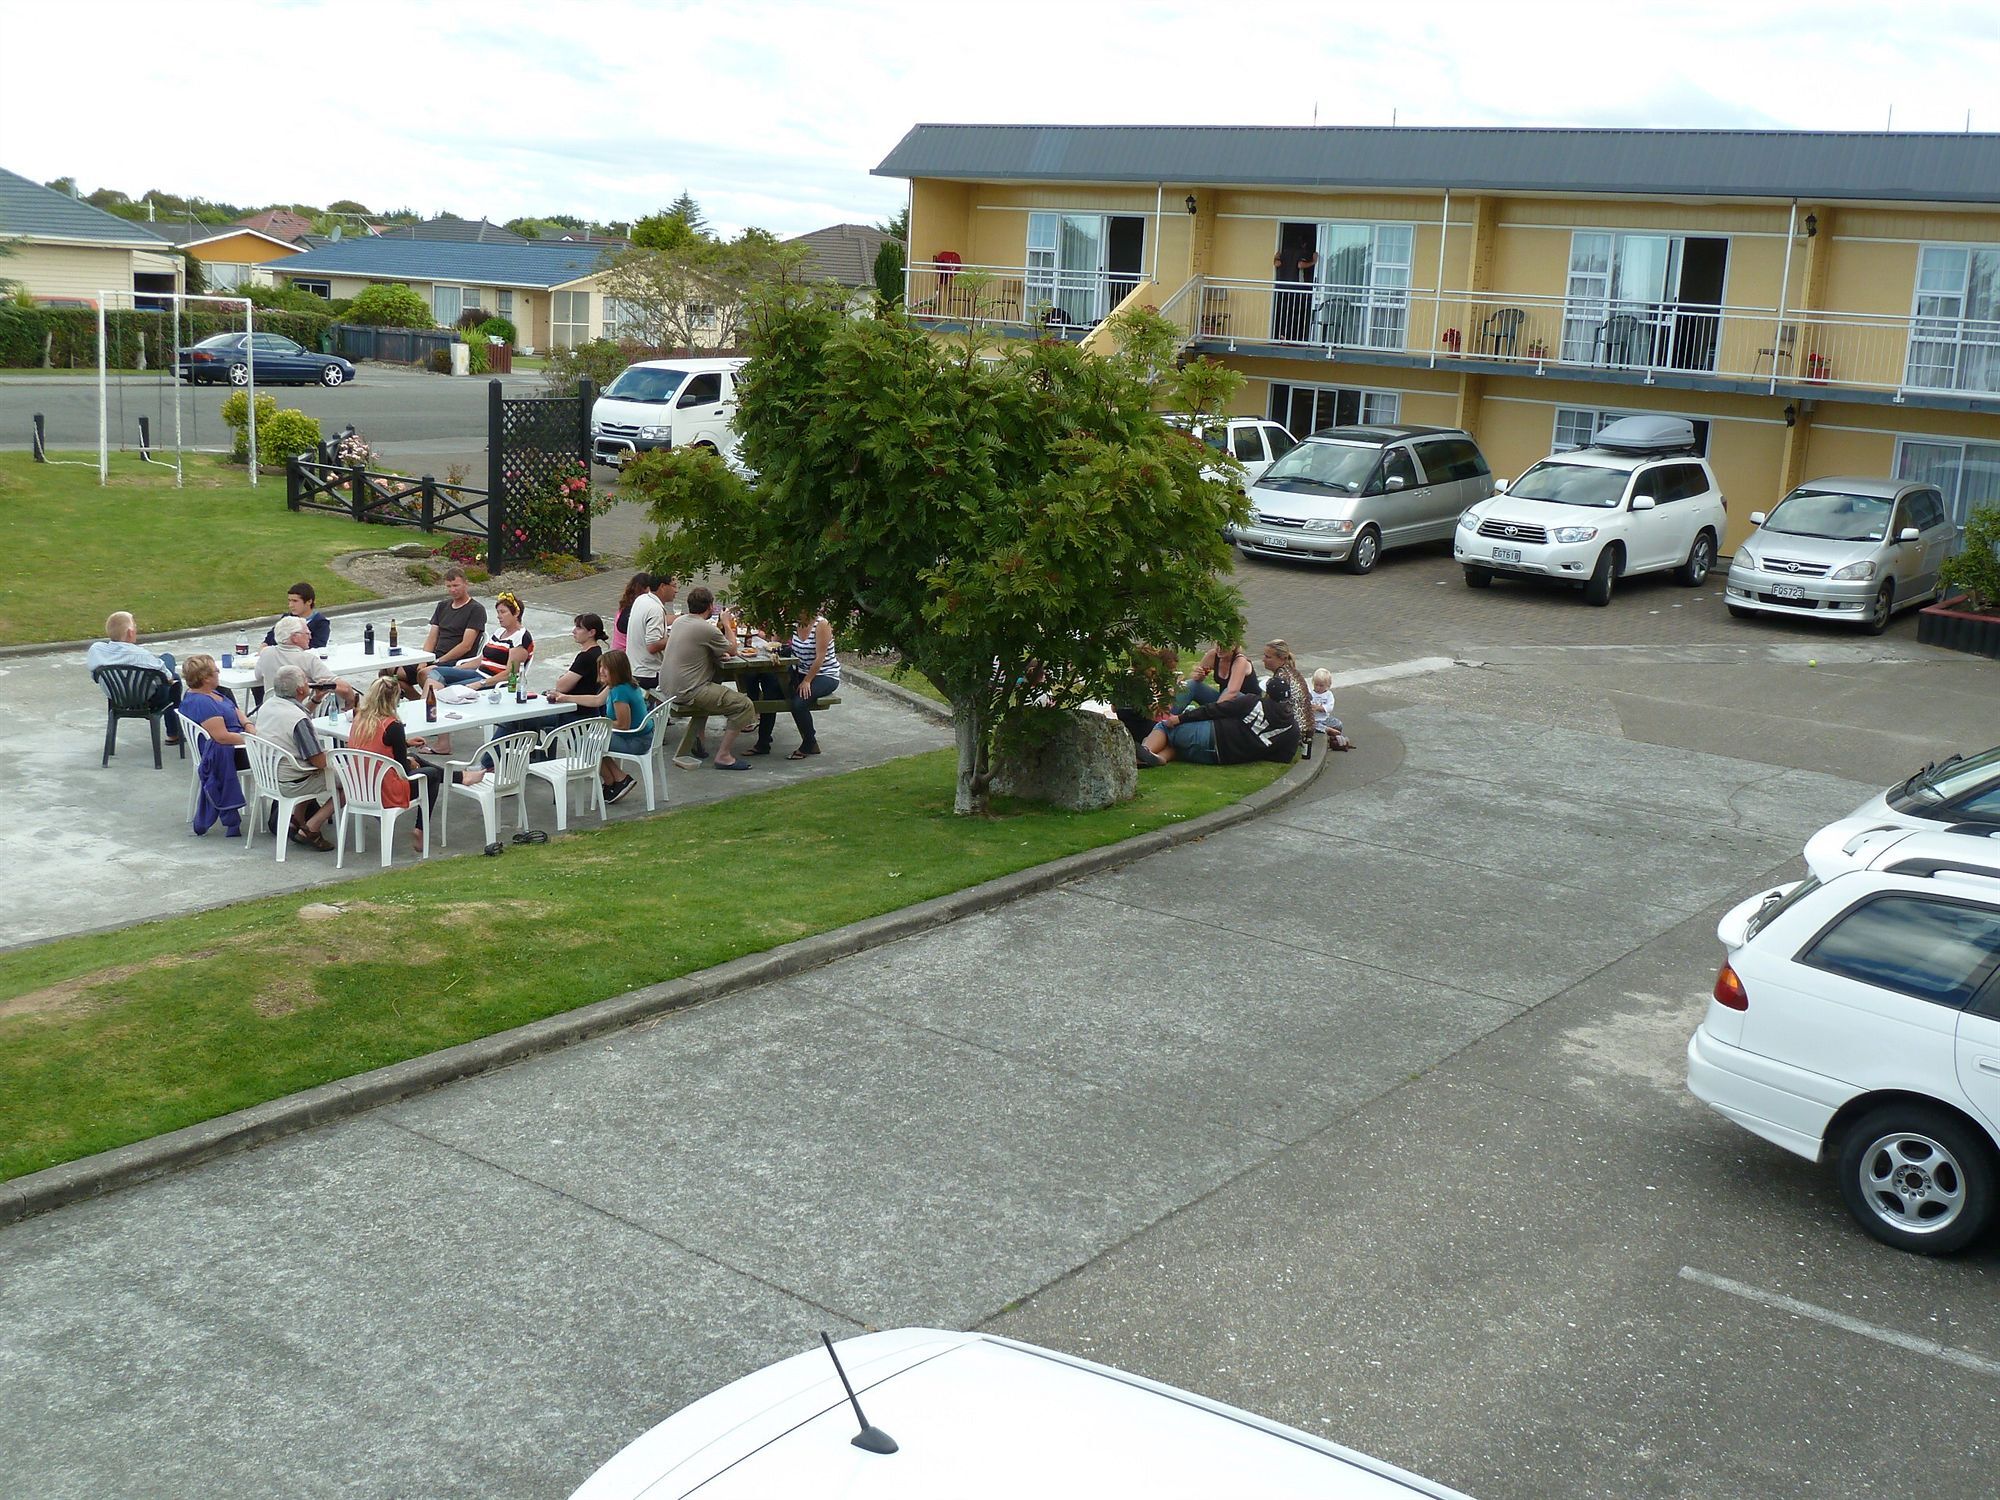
(646, 631)
(291, 646)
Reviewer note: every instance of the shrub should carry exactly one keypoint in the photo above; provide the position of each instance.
(286, 298)
(464, 550)
(476, 360)
(390, 306)
(72, 333)
(499, 328)
(550, 520)
(602, 360)
(280, 434)
(1975, 572)
(439, 362)
(472, 317)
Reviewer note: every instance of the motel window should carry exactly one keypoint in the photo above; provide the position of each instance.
(1305, 409)
(1966, 474)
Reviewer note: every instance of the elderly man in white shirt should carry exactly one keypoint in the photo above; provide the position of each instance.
(292, 647)
(120, 648)
(646, 631)
(284, 722)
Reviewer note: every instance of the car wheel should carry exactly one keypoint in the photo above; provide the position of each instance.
(1738, 612)
(331, 375)
(1598, 590)
(1700, 558)
(239, 374)
(1367, 548)
(1917, 1178)
(1881, 611)
(1479, 578)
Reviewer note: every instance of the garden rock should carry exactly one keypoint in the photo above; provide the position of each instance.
(1068, 758)
(411, 549)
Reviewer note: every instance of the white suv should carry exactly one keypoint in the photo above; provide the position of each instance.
(1638, 500)
(1857, 1020)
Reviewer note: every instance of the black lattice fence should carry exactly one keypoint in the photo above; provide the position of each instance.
(533, 443)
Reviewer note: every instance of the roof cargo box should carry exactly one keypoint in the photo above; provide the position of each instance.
(1646, 435)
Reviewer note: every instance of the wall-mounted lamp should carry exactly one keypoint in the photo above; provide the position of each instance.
(1190, 203)
(1812, 225)
(1791, 416)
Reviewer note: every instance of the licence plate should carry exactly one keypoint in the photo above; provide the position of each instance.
(1506, 554)
(1788, 591)
(1275, 545)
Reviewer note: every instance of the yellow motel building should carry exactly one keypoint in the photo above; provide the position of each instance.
(1815, 303)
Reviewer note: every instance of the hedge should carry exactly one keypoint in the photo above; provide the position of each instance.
(23, 330)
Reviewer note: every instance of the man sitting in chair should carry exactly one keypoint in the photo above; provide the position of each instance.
(696, 649)
(292, 647)
(120, 648)
(284, 722)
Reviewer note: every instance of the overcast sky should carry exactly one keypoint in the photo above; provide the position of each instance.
(772, 112)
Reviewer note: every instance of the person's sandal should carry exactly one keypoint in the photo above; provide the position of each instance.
(311, 840)
(802, 752)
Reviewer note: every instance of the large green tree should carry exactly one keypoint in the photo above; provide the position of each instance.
(695, 296)
(679, 226)
(1013, 519)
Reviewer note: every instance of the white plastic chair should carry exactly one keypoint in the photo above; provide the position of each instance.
(653, 726)
(575, 749)
(273, 765)
(197, 742)
(506, 762)
(359, 775)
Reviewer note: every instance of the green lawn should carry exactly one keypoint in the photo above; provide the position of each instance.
(116, 1037)
(216, 550)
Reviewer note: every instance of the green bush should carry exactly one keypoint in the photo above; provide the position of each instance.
(499, 328)
(440, 362)
(476, 360)
(390, 306)
(286, 298)
(602, 360)
(280, 434)
(1975, 572)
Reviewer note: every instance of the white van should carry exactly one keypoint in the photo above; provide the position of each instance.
(666, 403)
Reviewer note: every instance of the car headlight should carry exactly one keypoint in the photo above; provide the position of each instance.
(655, 434)
(1330, 528)
(1467, 521)
(1854, 571)
(1748, 558)
(1574, 533)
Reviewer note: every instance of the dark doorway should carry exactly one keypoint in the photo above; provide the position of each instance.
(1124, 258)
(1298, 256)
(1697, 328)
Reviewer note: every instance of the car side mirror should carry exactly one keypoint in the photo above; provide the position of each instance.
(1393, 482)
(1909, 534)
(1643, 502)
(1757, 518)
(1499, 486)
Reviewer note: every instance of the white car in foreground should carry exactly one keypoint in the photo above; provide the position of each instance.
(972, 1416)
(1857, 1021)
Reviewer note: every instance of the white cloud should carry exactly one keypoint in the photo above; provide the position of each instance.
(772, 111)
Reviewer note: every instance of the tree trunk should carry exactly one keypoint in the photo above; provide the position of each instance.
(968, 727)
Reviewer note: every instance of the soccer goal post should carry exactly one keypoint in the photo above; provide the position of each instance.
(167, 314)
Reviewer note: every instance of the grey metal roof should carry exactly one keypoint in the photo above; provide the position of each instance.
(450, 227)
(27, 208)
(522, 265)
(1817, 165)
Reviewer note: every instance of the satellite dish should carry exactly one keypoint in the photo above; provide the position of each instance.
(335, 236)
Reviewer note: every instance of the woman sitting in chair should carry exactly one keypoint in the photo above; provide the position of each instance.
(222, 755)
(377, 728)
(620, 700)
(511, 648)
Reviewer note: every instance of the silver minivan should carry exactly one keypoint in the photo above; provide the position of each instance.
(1346, 493)
(1845, 549)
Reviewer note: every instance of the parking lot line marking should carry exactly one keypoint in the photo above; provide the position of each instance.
(1416, 666)
(1978, 1364)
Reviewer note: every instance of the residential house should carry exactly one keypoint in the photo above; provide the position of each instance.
(279, 224)
(539, 288)
(1816, 303)
(451, 227)
(230, 256)
(64, 250)
(843, 254)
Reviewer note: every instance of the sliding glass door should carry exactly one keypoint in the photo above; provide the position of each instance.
(1080, 265)
(1955, 329)
(1354, 290)
(1644, 300)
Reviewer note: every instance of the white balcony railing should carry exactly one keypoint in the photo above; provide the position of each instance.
(1027, 297)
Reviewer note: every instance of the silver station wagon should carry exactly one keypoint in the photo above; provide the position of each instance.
(1346, 494)
(1845, 549)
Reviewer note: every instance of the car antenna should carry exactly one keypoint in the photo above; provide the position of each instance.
(870, 1437)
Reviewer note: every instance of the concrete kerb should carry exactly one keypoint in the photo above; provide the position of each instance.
(126, 1166)
(882, 687)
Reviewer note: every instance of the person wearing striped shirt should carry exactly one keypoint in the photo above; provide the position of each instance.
(814, 674)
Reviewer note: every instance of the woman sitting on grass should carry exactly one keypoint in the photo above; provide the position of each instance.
(1235, 731)
(377, 728)
(221, 797)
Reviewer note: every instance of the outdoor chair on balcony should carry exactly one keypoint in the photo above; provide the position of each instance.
(1788, 338)
(1339, 321)
(1625, 339)
(134, 693)
(1500, 332)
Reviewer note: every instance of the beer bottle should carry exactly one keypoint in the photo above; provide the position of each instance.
(430, 703)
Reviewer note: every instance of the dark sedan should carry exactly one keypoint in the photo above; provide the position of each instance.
(279, 361)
